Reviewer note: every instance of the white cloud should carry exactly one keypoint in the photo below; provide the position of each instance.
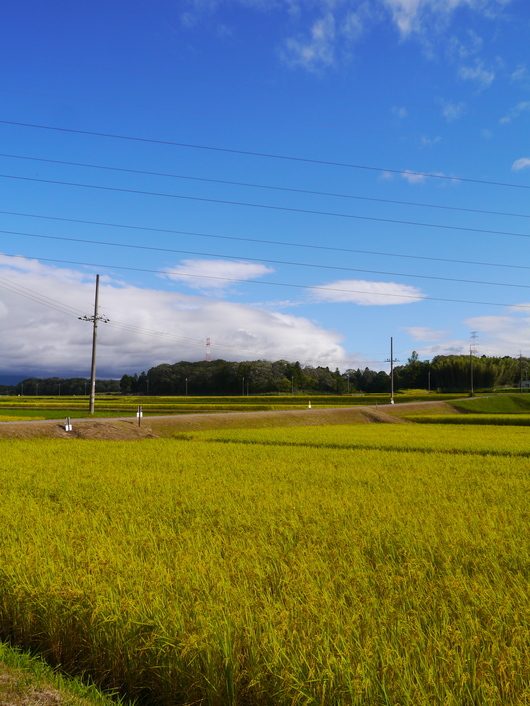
(39, 340)
(316, 51)
(413, 178)
(215, 276)
(514, 113)
(415, 16)
(366, 293)
(452, 111)
(400, 111)
(463, 49)
(519, 164)
(322, 32)
(520, 73)
(477, 73)
(429, 141)
(423, 333)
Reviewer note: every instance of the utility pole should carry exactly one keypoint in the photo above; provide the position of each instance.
(94, 319)
(391, 360)
(521, 371)
(472, 352)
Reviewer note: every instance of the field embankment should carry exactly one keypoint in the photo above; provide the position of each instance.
(167, 426)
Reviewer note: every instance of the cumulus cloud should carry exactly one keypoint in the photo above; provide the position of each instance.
(215, 276)
(519, 164)
(366, 293)
(42, 334)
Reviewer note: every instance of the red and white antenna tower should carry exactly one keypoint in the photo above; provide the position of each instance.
(208, 350)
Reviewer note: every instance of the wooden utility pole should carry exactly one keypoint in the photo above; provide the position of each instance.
(94, 319)
(391, 360)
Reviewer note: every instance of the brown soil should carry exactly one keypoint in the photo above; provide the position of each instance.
(157, 427)
(20, 689)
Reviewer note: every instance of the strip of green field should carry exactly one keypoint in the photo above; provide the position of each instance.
(270, 402)
(495, 419)
(376, 437)
(497, 404)
(37, 413)
(278, 567)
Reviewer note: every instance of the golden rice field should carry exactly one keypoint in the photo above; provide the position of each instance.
(368, 565)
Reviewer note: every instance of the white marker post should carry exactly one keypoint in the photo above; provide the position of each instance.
(68, 425)
(139, 414)
(309, 405)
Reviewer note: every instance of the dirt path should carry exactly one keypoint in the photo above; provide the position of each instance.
(127, 429)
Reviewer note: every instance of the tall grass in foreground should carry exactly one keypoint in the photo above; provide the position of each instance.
(188, 572)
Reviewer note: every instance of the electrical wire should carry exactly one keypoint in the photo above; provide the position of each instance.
(173, 273)
(265, 242)
(261, 259)
(249, 153)
(69, 311)
(274, 121)
(39, 298)
(265, 186)
(202, 199)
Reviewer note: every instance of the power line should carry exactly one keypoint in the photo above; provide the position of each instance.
(248, 153)
(39, 298)
(172, 273)
(275, 121)
(261, 259)
(69, 311)
(265, 186)
(261, 241)
(264, 206)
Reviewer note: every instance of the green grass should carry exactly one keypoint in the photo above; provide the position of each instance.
(354, 565)
(38, 413)
(517, 419)
(256, 402)
(498, 404)
(27, 679)
(395, 437)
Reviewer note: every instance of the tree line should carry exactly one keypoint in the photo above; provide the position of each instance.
(452, 373)
(220, 377)
(59, 386)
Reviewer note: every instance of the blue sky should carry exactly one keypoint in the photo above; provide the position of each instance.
(274, 197)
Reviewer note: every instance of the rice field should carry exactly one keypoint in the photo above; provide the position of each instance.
(58, 407)
(517, 419)
(363, 565)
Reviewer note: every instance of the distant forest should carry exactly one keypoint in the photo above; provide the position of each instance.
(220, 377)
